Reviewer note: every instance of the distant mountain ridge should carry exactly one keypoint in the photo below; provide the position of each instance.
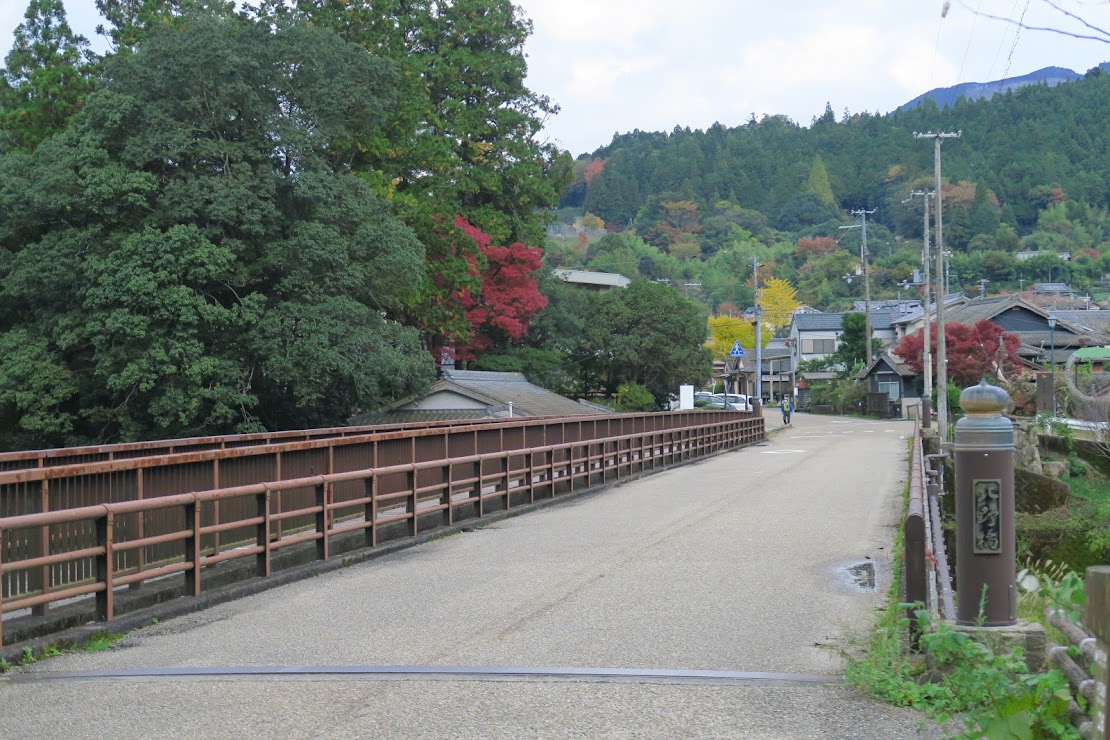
(946, 96)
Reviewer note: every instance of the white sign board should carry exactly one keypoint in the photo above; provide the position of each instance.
(685, 397)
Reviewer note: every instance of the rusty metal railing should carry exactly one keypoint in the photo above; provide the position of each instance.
(926, 575)
(53, 457)
(119, 530)
(915, 567)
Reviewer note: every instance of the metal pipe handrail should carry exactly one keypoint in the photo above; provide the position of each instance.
(179, 444)
(27, 475)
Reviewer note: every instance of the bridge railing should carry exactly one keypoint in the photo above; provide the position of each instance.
(54, 457)
(126, 522)
(926, 575)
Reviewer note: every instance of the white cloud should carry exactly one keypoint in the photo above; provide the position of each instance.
(617, 65)
(601, 77)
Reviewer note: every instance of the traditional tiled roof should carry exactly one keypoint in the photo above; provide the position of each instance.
(502, 388)
(587, 277)
(897, 307)
(952, 299)
(405, 416)
(882, 319)
(978, 309)
(1096, 321)
(818, 321)
(892, 361)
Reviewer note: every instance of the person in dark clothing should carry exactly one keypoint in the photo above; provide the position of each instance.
(785, 410)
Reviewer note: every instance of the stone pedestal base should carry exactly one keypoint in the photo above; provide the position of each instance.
(1030, 636)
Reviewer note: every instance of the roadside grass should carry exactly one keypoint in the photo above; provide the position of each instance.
(99, 642)
(968, 689)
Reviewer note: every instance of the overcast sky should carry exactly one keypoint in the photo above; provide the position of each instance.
(618, 65)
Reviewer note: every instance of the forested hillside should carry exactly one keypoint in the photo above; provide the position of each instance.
(1030, 173)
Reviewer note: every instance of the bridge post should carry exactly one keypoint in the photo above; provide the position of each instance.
(985, 541)
(1097, 620)
(105, 568)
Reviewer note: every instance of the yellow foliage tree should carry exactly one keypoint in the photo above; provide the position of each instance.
(779, 301)
(590, 221)
(725, 330)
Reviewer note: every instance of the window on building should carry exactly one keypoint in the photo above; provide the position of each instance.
(890, 385)
(818, 346)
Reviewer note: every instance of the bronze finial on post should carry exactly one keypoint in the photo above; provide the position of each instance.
(985, 540)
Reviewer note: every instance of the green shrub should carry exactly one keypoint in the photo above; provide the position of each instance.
(1076, 467)
(634, 397)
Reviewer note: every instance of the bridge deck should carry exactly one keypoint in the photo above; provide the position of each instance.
(737, 565)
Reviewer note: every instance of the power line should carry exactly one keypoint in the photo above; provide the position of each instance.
(974, 21)
(1002, 41)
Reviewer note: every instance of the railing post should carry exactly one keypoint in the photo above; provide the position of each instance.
(413, 528)
(140, 527)
(216, 505)
(262, 538)
(374, 501)
(322, 498)
(1, 589)
(44, 547)
(1097, 620)
(105, 568)
(368, 510)
(192, 548)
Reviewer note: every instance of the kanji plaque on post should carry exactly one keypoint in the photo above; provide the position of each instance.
(988, 516)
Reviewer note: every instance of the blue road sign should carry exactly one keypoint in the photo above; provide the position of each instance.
(737, 350)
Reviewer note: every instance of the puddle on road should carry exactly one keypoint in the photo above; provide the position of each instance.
(863, 575)
(857, 576)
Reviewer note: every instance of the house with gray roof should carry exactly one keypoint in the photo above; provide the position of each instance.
(914, 321)
(1040, 344)
(814, 336)
(1029, 321)
(479, 394)
(890, 387)
(600, 281)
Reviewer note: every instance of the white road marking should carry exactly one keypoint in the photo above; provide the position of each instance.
(780, 452)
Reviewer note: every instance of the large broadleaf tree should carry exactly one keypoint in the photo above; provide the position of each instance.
(188, 256)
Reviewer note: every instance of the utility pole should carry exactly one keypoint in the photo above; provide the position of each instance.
(926, 351)
(758, 402)
(942, 348)
(866, 281)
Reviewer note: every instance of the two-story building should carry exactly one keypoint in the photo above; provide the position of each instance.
(815, 336)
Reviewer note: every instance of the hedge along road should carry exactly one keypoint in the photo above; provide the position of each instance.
(707, 600)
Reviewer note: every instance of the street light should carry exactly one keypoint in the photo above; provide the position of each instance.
(1052, 359)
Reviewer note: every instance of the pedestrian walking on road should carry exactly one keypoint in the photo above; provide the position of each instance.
(786, 409)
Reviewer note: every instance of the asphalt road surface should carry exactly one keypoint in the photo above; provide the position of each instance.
(712, 600)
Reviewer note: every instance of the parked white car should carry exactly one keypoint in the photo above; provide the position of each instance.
(735, 401)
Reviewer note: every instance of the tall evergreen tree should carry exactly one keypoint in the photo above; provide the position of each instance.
(46, 78)
(463, 139)
(818, 182)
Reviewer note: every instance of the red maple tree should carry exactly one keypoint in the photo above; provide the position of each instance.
(594, 168)
(816, 246)
(509, 296)
(974, 352)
